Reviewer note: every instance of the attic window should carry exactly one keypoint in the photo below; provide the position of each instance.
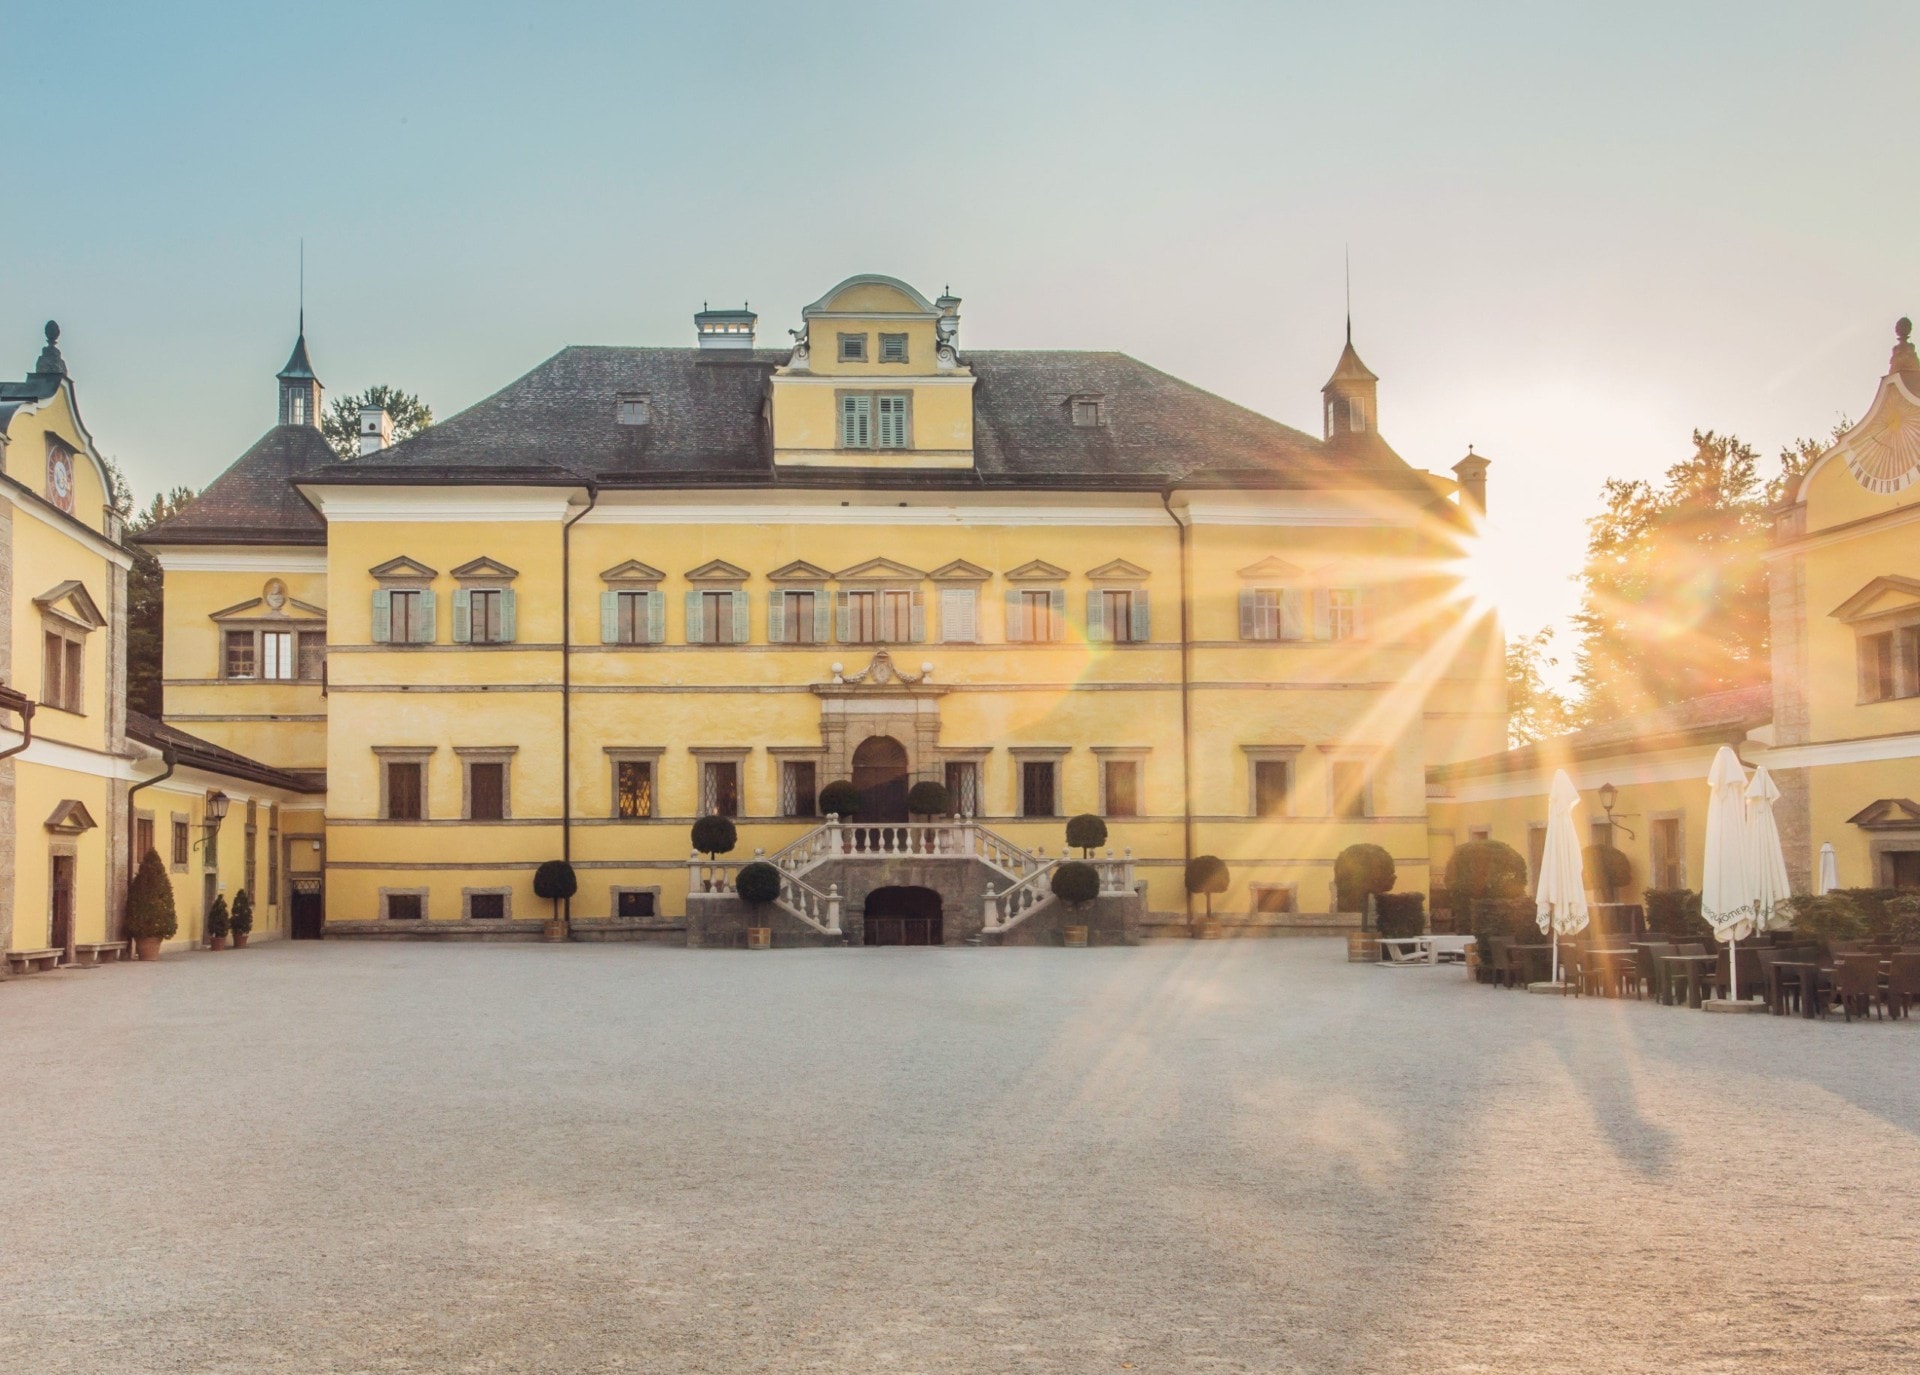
(1089, 411)
(893, 348)
(636, 410)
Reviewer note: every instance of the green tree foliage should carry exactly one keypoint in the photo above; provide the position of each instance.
(928, 798)
(1207, 875)
(1484, 869)
(242, 913)
(555, 881)
(839, 798)
(146, 604)
(1360, 870)
(218, 922)
(341, 426)
(150, 910)
(1536, 710)
(1086, 833)
(758, 884)
(1608, 869)
(715, 835)
(1075, 883)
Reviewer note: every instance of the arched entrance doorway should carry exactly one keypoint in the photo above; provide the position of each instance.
(880, 773)
(903, 916)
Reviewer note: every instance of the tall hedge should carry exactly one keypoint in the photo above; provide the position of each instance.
(1402, 914)
(1359, 871)
(150, 911)
(1485, 869)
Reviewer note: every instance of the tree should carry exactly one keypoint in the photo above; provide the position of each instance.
(1207, 875)
(1086, 833)
(1075, 883)
(840, 798)
(555, 881)
(715, 835)
(1536, 710)
(1607, 868)
(757, 884)
(150, 910)
(219, 924)
(146, 604)
(242, 919)
(1484, 869)
(1358, 872)
(928, 798)
(409, 414)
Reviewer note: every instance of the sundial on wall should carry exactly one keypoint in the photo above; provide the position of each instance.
(1883, 453)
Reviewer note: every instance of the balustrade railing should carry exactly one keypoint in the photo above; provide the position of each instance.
(1003, 911)
(961, 838)
(818, 909)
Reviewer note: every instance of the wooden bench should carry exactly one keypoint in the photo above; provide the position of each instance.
(108, 952)
(32, 961)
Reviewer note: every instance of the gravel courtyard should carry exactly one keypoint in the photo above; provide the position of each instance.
(1236, 1156)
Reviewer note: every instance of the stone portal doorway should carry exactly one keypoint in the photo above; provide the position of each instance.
(903, 916)
(880, 773)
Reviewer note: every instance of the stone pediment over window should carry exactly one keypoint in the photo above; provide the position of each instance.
(1889, 595)
(1118, 570)
(1888, 814)
(486, 570)
(633, 571)
(799, 571)
(1275, 568)
(259, 608)
(1037, 570)
(403, 570)
(960, 571)
(70, 818)
(71, 601)
(880, 570)
(717, 570)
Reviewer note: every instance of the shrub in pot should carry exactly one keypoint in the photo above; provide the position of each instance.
(1207, 875)
(150, 912)
(1401, 914)
(1086, 833)
(1359, 872)
(1607, 868)
(1076, 883)
(556, 882)
(840, 798)
(715, 835)
(928, 798)
(242, 918)
(757, 885)
(219, 923)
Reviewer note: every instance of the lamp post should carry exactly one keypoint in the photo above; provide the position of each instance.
(1608, 796)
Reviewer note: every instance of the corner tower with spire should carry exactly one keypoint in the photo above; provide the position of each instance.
(300, 390)
(1351, 396)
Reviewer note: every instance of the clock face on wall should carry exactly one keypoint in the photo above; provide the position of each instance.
(1886, 459)
(60, 478)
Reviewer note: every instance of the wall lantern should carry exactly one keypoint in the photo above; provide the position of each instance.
(1608, 796)
(216, 809)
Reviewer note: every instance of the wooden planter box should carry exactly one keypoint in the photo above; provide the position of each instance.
(759, 938)
(1076, 936)
(1363, 947)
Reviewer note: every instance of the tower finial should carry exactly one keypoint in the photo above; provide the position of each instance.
(303, 286)
(1349, 258)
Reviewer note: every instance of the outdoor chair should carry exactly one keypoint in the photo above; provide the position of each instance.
(1856, 986)
(1647, 966)
(1502, 954)
(1688, 973)
(1753, 975)
(1903, 985)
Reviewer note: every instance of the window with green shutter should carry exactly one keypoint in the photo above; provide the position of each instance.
(856, 421)
(892, 412)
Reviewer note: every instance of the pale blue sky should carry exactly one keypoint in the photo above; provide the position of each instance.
(1577, 231)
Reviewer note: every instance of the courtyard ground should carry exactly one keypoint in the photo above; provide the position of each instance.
(1213, 1157)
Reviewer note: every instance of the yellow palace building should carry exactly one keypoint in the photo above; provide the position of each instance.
(639, 586)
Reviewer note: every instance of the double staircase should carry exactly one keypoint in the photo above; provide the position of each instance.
(1020, 883)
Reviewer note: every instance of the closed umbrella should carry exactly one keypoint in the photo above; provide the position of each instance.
(1726, 890)
(1560, 900)
(1829, 870)
(1767, 861)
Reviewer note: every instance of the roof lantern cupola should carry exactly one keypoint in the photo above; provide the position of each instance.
(300, 390)
(1352, 395)
(725, 329)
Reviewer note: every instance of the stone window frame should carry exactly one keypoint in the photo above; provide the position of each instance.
(958, 576)
(633, 408)
(1483, 831)
(1276, 754)
(469, 755)
(1087, 410)
(800, 576)
(153, 824)
(467, 895)
(424, 894)
(873, 396)
(614, 892)
(69, 632)
(1880, 851)
(632, 754)
(858, 352)
(407, 754)
(784, 755)
(1022, 755)
(182, 827)
(974, 755)
(1259, 886)
(703, 755)
(1371, 757)
(1136, 755)
(1679, 817)
(406, 574)
(1036, 575)
(484, 574)
(888, 338)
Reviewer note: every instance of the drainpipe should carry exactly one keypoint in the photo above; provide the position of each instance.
(566, 680)
(133, 826)
(22, 705)
(1186, 710)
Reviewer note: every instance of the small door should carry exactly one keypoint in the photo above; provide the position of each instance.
(308, 912)
(902, 916)
(880, 773)
(1906, 869)
(60, 904)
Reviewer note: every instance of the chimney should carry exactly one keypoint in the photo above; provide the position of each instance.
(376, 429)
(1472, 474)
(724, 329)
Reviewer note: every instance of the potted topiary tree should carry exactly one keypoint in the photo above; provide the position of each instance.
(840, 798)
(1361, 873)
(929, 799)
(1086, 833)
(1608, 870)
(242, 918)
(556, 882)
(1076, 883)
(150, 914)
(218, 924)
(1483, 878)
(1207, 875)
(757, 885)
(715, 835)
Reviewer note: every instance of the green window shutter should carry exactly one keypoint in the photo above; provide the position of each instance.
(656, 617)
(1293, 614)
(1016, 616)
(1322, 614)
(1057, 598)
(1097, 614)
(508, 601)
(919, 617)
(1248, 618)
(840, 609)
(822, 617)
(1142, 617)
(856, 422)
(742, 630)
(428, 630)
(696, 630)
(776, 616)
(462, 616)
(382, 617)
(609, 618)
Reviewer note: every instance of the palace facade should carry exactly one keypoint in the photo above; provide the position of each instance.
(638, 586)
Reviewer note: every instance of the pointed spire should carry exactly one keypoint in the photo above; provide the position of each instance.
(299, 368)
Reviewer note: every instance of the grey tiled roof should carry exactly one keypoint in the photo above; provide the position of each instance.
(254, 501)
(192, 751)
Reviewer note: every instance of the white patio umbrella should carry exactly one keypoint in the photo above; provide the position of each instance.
(1829, 870)
(1560, 900)
(1767, 861)
(1726, 890)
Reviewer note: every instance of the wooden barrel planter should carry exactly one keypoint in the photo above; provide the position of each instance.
(1363, 947)
(759, 938)
(1076, 937)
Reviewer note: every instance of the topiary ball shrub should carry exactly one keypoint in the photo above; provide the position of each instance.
(715, 835)
(928, 798)
(1402, 914)
(1361, 870)
(1075, 883)
(758, 884)
(1207, 875)
(219, 923)
(1608, 869)
(242, 919)
(1485, 869)
(150, 911)
(1086, 833)
(839, 798)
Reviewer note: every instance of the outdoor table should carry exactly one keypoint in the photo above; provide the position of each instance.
(1412, 949)
(1613, 953)
(1697, 964)
(1538, 956)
